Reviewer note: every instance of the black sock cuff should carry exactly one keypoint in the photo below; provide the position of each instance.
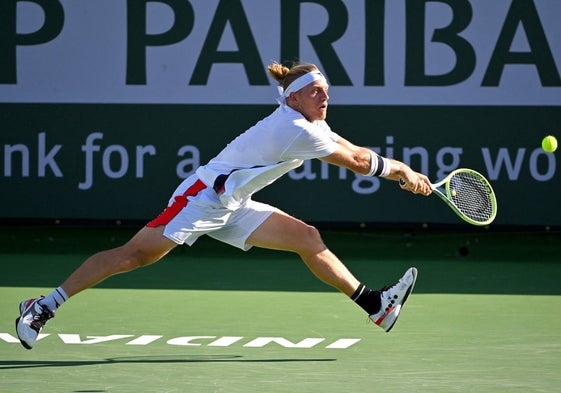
(359, 291)
(367, 299)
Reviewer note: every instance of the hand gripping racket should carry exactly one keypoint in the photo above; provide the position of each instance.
(469, 194)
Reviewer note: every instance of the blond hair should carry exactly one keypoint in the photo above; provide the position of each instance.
(285, 76)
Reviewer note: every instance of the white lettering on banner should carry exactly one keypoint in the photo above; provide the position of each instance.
(374, 52)
(44, 159)
(118, 151)
(503, 160)
(209, 341)
(113, 161)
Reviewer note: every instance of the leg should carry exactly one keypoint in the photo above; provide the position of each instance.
(283, 232)
(145, 248)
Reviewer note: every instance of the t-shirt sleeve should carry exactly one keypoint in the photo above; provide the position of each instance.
(314, 140)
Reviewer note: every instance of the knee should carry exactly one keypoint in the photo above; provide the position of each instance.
(313, 234)
(312, 242)
(133, 259)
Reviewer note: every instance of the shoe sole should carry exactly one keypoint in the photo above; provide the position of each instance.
(25, 345)
(22, 309)
(407, 293)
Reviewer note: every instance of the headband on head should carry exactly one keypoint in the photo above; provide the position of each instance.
(299, 83)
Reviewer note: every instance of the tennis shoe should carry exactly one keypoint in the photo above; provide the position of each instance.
(33, 316)
(393, 299)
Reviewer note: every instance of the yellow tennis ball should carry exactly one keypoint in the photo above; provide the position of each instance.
(453, 193)
(549, 144)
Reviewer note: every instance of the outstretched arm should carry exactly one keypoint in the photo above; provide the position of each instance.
(360, 160)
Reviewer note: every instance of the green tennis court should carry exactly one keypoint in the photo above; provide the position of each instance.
(485, 317)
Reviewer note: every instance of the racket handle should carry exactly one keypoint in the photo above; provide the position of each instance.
(402, 182)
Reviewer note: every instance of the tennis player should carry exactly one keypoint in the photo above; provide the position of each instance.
(217, 201)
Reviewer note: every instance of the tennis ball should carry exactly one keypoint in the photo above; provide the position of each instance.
(549, 144)
(453, 192)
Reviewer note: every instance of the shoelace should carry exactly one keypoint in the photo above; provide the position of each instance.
(39, 320)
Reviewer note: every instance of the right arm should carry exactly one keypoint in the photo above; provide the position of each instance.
(359, 160)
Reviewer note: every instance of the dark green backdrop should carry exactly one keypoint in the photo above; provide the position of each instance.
(43, 160)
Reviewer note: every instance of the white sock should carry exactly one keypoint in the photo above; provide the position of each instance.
(55, 299)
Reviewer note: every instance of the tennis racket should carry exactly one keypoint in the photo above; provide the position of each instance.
(469, 194)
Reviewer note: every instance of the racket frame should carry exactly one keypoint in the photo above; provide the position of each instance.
(446, 196)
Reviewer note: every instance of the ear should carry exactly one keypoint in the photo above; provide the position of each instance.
(293, 99)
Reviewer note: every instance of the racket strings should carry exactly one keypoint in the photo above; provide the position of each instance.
(472, 196)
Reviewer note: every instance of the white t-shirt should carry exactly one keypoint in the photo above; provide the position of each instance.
(272, 147)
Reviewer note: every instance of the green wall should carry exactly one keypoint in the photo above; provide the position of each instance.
(123, 161)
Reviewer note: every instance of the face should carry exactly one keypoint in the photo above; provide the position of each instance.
(311, 101)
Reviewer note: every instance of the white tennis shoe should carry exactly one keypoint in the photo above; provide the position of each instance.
(393, 299)
(31, 321)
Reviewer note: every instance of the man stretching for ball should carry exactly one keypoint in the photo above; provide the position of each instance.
(216, 201)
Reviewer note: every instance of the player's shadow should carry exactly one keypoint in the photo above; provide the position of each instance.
(17, 364)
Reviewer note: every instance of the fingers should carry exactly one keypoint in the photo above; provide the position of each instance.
(418, 185)
(425, 187)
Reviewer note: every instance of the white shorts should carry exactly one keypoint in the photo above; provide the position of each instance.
(195, 210)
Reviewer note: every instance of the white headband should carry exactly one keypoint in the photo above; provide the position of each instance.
(299, 83)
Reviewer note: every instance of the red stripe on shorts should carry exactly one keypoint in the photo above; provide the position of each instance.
(177, 205)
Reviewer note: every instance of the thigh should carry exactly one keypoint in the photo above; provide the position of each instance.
(281, 231)
(147, 246)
